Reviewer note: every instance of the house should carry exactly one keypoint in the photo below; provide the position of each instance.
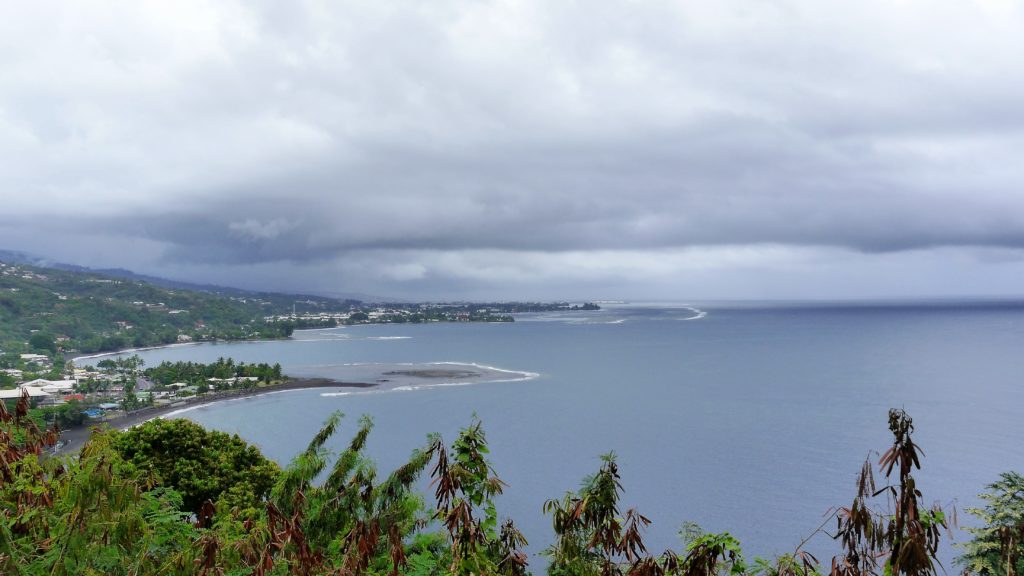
(83, 374)
(51, 386)
(47, 392)
(15, 393)
(35, 358)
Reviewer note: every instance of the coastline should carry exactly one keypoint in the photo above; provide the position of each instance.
(196, 343)
(133, 350)
(178, 345)
(72, 439)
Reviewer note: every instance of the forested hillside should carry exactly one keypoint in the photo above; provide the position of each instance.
(90, 312)
(65, 310)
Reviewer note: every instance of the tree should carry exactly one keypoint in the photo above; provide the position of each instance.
(200, 464)
(68, 414)
(352, 521)
(85, 515)
(43, 342)
(591, 537)
(997, 548)
(466, 487)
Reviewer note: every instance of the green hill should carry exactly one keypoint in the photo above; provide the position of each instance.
(63, 308)
(88, 312)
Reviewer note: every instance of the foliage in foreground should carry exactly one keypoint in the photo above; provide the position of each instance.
(199, 464)
(122, 507)
(997, 548)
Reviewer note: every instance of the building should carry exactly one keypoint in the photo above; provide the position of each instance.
(51, 386)
(15, 393)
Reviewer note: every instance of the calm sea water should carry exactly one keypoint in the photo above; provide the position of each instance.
(748, 418)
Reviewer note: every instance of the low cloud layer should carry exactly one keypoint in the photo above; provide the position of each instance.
(457, 149)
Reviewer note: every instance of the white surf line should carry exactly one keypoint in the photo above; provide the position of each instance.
(524, 373)
(522, 376)
(698, 313)
(179, 345)
(185, 409)
(133, 350)
(351, 338)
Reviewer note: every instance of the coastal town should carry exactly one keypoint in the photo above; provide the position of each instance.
(86, 312)
(358, 313)
(74, 396)
(56, 321)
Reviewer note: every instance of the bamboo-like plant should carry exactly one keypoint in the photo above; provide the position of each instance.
(465, 487)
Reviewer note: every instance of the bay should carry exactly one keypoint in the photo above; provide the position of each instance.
(747, 417)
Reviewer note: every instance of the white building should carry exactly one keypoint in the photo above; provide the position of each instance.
(51, 386)
(15, 393)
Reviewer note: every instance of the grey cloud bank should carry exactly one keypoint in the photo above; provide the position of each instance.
(522, 149)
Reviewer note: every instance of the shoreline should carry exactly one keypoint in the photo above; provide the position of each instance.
(74, 438)
(179, 345)
(196, 343)
(132, 350)
(169, 345)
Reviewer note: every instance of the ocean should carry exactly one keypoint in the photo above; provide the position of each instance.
(752, 418)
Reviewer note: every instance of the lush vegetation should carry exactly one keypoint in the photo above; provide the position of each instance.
(170, 498)
(115, 380)
(997, 545)
(196, 373)
(50, 311)
(44, 310)
(200, 464)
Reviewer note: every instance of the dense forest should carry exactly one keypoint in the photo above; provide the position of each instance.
(170, 497)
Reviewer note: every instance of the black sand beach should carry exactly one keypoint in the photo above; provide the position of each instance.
(72, 439)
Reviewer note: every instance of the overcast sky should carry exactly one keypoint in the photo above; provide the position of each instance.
(479, 149)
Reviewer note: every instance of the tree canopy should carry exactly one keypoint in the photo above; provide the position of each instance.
(200, 464)
(997, 546)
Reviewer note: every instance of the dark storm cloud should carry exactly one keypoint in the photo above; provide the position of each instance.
(666, 190)
(407, 143)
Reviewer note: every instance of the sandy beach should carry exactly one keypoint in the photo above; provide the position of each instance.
(72, 439)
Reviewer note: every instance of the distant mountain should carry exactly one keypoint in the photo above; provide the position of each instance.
(14, 257)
